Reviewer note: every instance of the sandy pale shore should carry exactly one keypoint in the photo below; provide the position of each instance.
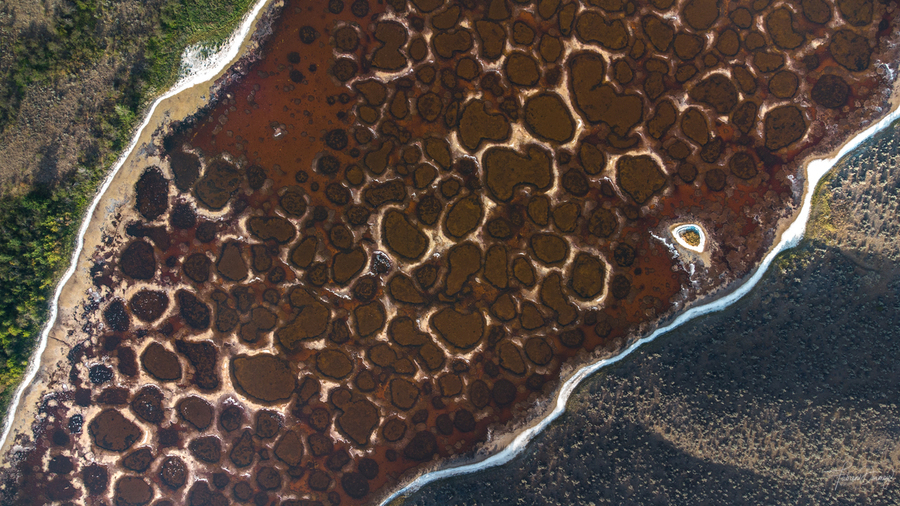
(76, 288)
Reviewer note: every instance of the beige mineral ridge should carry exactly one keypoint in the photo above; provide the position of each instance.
(117, 199)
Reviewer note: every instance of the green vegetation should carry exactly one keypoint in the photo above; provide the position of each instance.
(38, 228)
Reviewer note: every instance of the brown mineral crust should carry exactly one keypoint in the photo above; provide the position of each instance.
(717, 91)
(779, 27)
(370, 318)
(523, 271)
(303, 254)
(640, 177)
(728, 43)
(856, 12)
(293, 202)
(593, 27)
(219, 182)
(421, 447)
(660, 33)
(505, 169)
(701, 14)
(148, 404)
(664, 117)
(138, 261)
(116, 316)
(264, 378)
(743, 165)
(310, 322)
(593, 159)
(161, 363)
(403, 331)
(587, 276)
(112, 431)
(402, 237)
(550, 249)
(289, 449)
(256, 176)
(272, 228)
(510, 358)
(745, 79)
(379, 194)
(344, 69)
(538, 350)
(477, 125)
(402, 289)
(373, 91)
(268, 424)
(464, 216)
(230, 264)
(319, 480)
(504, 307)
(197, 267)
(522, 69)
(242, 451)
(784, 125)
(715, 179)
(694, 126)
(152, 194)
(207, 449)
(449, 43)
(830, 91)
(203, 356)
(132, 491)
(137, 461)
(334, 364)
(495, 266)
(687, 46)
(346, 265)
(173, 473)
(744, 117)
(148, 305)
(186, 169)
(548, 118)
(850, 50)
(196, 411)
(358, 420)
(784, 84)
(598, 102)
(260, 259)
(393, 430)
(553, 297)
(492, 37)
(404, 393)
(464, 260)
(194, 311)
(462, 330)
(768, 62)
